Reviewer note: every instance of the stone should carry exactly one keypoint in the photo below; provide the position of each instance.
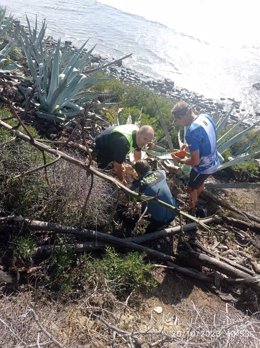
(158, 309)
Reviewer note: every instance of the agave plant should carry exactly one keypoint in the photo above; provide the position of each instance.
(5, 23)
(61, 87)
(5, 27)
(226, 139)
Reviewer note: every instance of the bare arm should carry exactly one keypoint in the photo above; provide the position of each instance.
(119, 171)
(193, 160)
(137, 155)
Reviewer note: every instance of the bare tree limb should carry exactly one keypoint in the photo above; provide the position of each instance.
(30, 171)
(253, 226)
(222, 267)
(95, 171)
(168, 231)
(225, 204)
(54, 340)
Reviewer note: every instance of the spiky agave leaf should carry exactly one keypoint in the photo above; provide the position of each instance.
(5, 22)
(55, 73)
(246, 146)
(3, 54)
(230, 131)
(239, 160)
(58, 79)
(236, 138)
(35, 38)
(223, 121)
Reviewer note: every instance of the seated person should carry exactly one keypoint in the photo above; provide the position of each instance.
(153, 183)
(114, 143)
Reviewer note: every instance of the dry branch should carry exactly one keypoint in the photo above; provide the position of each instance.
(93, 170)
(244, 225)
(168, 231)
(91, 234)
(30, 171)
(51, 227)
(47, 333)
(226, 260)
(224, 268)
(226, 205)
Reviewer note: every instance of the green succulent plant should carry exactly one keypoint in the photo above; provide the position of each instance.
(63, 77)
(6, 44)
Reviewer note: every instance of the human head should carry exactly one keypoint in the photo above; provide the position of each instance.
(182, 113)
(144, 135)
(142, 167)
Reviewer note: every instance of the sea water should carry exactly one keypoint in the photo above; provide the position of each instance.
(209, 47)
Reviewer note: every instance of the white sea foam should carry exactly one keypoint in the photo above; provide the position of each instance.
(210, 47)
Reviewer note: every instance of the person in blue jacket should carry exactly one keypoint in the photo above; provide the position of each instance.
(201, 141)
(153, 183)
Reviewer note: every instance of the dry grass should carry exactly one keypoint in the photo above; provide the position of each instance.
(100, 320)
(69, 188)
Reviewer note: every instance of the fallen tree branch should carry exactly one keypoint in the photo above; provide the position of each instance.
(87, 167)
(224, 268)
(224, 259)
(91, 234)
(168, 231)
(226, 205)
(30, 171)
(193, 273)
(244, 225)
(77, 247)
(234, 185)
(52, 227)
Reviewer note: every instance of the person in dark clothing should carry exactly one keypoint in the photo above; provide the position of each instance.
(153, 183)
(114, 143)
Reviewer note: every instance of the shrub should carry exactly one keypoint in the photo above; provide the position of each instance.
(23, 246)
(124, 272)
(61, 271)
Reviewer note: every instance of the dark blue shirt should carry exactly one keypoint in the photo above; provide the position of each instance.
(153, 184)
(201, 136)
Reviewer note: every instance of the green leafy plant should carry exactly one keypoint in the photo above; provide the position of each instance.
(60, 270)
(25, 194)
(127, 272)
(122, 273)
(23, 246)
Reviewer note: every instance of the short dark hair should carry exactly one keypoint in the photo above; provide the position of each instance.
(142, 167)
(181, 109)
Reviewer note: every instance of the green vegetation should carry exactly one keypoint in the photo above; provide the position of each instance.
(64, 83)
(123, 272)
(61, 270)
(23, 246)
(144, 106)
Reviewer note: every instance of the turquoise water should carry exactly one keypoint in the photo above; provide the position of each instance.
(210, 47)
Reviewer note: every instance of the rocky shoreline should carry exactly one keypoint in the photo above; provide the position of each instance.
(167, 88)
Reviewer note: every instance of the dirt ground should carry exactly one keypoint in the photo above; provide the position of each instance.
(179, 312)
(176, 295)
